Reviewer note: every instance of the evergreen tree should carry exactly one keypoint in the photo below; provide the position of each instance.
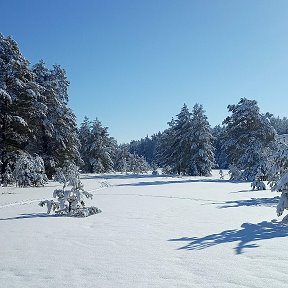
(18, 96)
(182, 141)
(202, 155)
(137, 164)
(278, 178)
(70, 202)
(164, 149)
(121, 159)
(84, 134)
(249, 138)
(29, 171)
(218, 133)
(57, 137)
(97, 147)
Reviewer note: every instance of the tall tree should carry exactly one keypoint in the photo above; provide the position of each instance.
(18, 95)
(249, 138)
(182, 141)
(218, 133)
(57, 137)
(202, 155)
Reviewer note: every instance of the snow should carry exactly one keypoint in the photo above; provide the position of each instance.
(154, 231)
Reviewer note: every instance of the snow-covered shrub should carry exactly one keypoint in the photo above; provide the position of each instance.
(7, 176)
(221, 174)
(167, 170)
(137, 164)
(155, 173)
(258, 185)
(70, 202)
(29, 171)
(235, 173)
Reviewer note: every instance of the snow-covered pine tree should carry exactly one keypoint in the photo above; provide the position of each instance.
(235, 173)
(164, 150)
(58, 136)
(29, 171)
(220, 155)
(249, 138)
(202, 155)
(70, 202)
(137, 164)
(121, 158)
(97, 146)
(18, 95)
(84, 134)
(182, 142)
(278, 178)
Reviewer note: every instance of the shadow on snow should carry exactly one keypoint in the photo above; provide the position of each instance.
(29, 216)
(268, 202)
(180, 181)
(245, 236)
(149, 176)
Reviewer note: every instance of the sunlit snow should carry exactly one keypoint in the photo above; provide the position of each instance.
(154, 231)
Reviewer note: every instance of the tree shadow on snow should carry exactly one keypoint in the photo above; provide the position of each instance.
(267, 202)
(242, 191)
(245, 236)
(29, 216)
(180, 181)
(119, 176)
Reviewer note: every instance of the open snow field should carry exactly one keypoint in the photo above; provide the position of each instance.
(153, 232)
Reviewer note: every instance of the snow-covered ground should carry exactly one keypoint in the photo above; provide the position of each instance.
(153, 232)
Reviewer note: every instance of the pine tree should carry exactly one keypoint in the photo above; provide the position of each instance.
(278, 178)
(58, 136)
(218, 133)
(137, 164)
(122, 156)
(164, 149)
(249, 138)
(202, 155)
(70, 202)
(18, 98)
(84, 134)
(97, 147)
(29, 171)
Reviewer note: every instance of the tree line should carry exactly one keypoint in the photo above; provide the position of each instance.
(38, 132)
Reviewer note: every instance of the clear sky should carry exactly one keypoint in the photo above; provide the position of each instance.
(134, 63)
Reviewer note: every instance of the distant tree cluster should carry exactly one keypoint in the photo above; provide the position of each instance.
(279, 124)
(101, 154)
(244, 143)
(146, 147)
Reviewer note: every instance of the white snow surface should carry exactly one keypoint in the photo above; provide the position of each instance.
(154, 231)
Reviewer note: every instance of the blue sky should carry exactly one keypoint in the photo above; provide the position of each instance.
(133, 64)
